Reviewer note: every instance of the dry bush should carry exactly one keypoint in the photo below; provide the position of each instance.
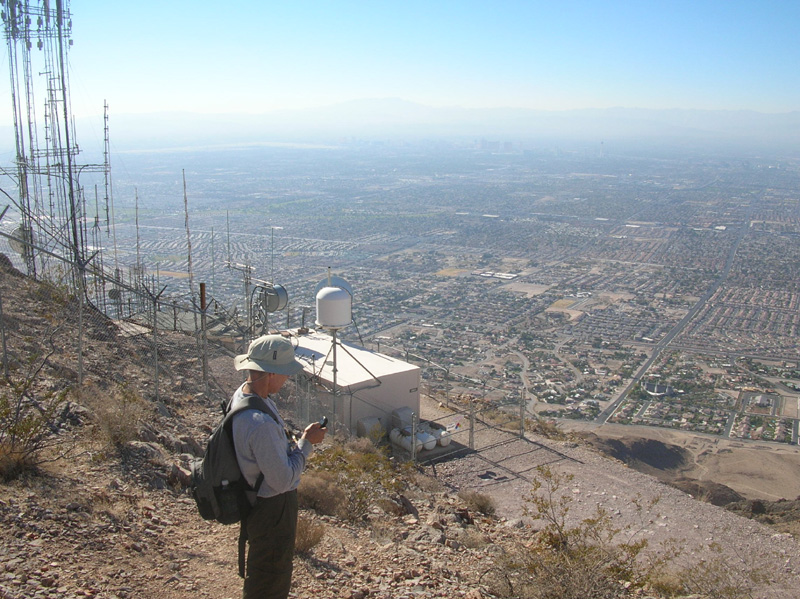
(545, 428)
(471, 538)
(29, 424)
(14, 462)
(718, 576)
(592, 559)
(319, 491)
(509, 420)
(477, 502)
(118, 414)
(501, 418)
(428, 484)
(362, 473)
(391, 507)
(589, 560)
(309, 534)
(362, 445)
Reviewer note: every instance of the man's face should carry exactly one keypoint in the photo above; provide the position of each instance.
(276, 381)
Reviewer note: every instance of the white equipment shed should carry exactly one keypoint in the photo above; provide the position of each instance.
(365, 384)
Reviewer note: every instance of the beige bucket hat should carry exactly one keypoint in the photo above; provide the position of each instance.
(269, 353)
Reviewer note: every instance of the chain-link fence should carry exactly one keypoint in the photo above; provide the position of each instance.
(174, 335)
(126, 300)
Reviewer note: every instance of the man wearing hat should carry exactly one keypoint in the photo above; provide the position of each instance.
(262, 447)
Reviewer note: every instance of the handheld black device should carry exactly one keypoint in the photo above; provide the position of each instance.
(323, 422)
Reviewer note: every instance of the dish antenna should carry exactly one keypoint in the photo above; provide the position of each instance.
(21, 241)
(268, 298)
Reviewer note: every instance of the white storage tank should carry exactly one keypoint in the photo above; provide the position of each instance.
(371, 428)
(402, 417)
(428, 441)
(403, 439)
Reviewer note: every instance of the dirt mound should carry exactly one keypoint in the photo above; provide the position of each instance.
(769, 512)
(666, 462)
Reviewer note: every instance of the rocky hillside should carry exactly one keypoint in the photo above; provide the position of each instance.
(106, 512)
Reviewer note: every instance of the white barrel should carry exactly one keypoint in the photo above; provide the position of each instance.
(442, 437)
(428, 441)
(397, 437)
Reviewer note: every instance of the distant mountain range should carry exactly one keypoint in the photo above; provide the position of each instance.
(391, 118)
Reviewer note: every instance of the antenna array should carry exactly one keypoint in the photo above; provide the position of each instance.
(51, 202)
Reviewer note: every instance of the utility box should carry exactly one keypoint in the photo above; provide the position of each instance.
(363, 385)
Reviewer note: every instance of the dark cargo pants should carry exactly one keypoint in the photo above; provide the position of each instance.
(271, 529)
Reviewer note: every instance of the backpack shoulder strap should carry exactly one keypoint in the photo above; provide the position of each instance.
(251, 402)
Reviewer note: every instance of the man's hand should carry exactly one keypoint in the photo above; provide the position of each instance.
(314, 433)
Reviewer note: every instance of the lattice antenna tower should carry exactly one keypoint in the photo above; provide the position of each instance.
(50, 202)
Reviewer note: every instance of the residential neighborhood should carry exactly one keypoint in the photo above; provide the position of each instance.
(660, 292)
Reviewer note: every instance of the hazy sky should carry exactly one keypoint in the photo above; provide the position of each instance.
(257, 56)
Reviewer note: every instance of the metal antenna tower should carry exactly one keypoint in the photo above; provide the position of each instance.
(50, 202)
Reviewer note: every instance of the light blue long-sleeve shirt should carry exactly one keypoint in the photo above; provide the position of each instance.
(261, 446)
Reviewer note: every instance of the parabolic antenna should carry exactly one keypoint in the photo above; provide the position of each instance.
(21, 240)
(267, 299)
(273, 298)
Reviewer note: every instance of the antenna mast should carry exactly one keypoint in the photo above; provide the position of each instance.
(50, 205)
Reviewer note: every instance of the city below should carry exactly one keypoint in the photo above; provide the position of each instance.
(601, 284)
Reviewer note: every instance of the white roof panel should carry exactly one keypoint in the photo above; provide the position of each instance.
(356, 366)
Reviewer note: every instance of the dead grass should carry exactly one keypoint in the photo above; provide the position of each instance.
(117, 415)
(320, 492)
(309, 534)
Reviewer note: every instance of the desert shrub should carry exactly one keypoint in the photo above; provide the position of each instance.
(319, 491)
(546, 428)
(427, 483)
(587, 560)
(592, 559)
(502, 418)
(471, 538)
(362, 445)
(478, 502)
(391, 507)
(362, 473)
(716, 576)
(118, 414)
(29, 423)
(309, 535)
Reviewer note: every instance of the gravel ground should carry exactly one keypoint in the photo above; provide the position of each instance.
(506, 465)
